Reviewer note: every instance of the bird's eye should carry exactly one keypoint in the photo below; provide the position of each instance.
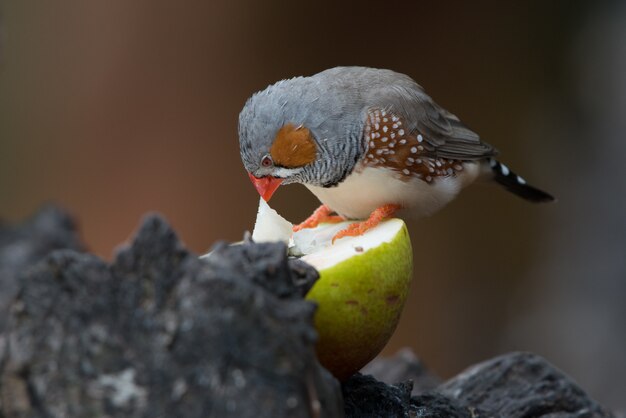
(267, 161)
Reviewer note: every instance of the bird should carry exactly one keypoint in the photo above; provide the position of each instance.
(367, 143)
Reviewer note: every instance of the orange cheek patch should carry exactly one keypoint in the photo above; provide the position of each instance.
(293, 147)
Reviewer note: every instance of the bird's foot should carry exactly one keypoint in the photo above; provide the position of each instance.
(321, 215)
(359, 228)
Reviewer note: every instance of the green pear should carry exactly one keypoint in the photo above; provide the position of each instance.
(364, 282)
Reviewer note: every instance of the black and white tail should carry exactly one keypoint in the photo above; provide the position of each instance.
(516, 184)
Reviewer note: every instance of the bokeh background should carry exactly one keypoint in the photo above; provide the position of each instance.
(115, 108)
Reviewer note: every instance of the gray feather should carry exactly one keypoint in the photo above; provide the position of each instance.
(333, 104)
(442, 130)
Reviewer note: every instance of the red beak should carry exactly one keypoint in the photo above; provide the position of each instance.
(266, 186)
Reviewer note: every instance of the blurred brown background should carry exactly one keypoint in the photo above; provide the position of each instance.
(116, 108)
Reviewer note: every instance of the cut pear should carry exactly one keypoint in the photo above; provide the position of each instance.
(364, 282)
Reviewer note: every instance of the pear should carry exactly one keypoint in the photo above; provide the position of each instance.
(364, 282)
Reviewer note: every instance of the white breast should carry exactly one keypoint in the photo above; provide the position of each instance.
(367, 189)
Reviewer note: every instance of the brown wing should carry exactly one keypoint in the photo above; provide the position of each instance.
(391, 145)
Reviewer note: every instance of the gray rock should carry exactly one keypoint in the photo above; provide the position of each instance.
(24, 244)
(403, 366)
(521, 385)
(365, 397)
(513, 385)
(161, 333)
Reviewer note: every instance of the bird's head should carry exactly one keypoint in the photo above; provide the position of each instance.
(292, 133)
(288, 157)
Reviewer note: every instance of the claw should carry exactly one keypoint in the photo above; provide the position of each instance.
(321, 215)
(359, 228)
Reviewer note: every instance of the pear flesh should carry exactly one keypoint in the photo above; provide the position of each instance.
(270, 226)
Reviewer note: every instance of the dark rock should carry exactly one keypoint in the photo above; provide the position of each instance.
(521, 385)
(24, 244)
(267, 267)
(436, 405)
(513, 385)
(365, 397)
(403, 366)
(161, 333)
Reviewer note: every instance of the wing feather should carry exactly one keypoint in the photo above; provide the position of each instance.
(444, 134)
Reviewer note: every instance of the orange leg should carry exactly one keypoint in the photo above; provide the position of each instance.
(321, 215)
(360, 228)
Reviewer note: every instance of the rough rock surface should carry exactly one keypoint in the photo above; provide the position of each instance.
(366, 397)
(161, 333)
(521, 385)
(24, 244)
(403, 366)
(514, 385)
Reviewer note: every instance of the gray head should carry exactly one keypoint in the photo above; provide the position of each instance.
(303, 130)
